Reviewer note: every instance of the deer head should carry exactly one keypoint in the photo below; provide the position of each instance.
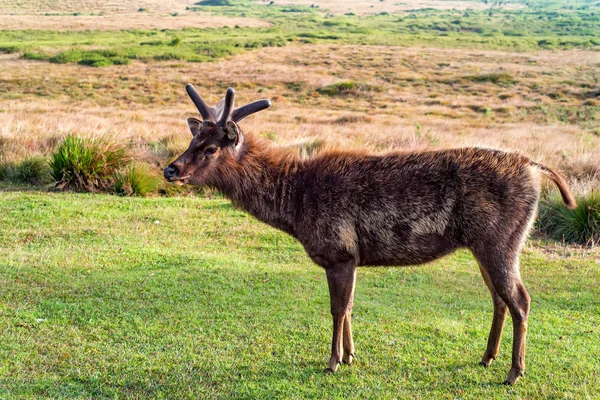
(216, 138)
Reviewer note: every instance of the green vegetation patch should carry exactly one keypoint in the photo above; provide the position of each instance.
(31, 171)
(136, 180)
(86, 164)
(123, 297)
(532, 28)
(581, 225)
(348, 88)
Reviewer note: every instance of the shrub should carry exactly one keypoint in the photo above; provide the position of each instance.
(84, 164)
(69, 56)
(168, 57)
(31, 171)
(9, 49)
(136, 180)
(95, 60)
(176, 41)
(39, 56)
(581, 225)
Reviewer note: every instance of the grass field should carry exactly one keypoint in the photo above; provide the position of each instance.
(105, 297)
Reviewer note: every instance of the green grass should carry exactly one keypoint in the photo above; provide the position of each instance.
(581, 225)
(136, 180)
(30, 171)
(115, 297)
(86, 164)
(120, 47)
(556, 25)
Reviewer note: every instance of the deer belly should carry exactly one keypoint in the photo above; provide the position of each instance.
(393, 249)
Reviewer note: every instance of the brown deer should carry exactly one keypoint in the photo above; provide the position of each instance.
(351, 208)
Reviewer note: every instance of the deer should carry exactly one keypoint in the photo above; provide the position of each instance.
(351, 208)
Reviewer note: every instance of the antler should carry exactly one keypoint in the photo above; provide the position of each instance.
(208, 113)
(250, 109)
(224, 111)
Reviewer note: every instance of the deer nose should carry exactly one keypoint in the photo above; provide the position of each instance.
(170, 172)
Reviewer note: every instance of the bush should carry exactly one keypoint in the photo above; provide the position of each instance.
(136, 180)
(39, 56)
(9, 49)
(176, 41)
(86, 164)
(32, 171)
(95, 60)
(69, 56)
(168, 57)
(581, 225)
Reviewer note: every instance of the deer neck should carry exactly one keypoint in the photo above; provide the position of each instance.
(260, 182)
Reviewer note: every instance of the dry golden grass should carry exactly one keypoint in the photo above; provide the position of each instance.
(408, 98)
(163, 6)
(91, 6)
(362, 7)
(130, 20)
(111, 15)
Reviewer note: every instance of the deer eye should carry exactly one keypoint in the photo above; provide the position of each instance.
(210, 150)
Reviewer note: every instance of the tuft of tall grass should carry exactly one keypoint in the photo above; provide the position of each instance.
(86, 164)
(498, 78)
(9, 49)
(581, 225)
(31, 171)
(136, 180)
(347, 88)
(308, 148)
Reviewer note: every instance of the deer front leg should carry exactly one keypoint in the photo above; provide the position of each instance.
(341, 280)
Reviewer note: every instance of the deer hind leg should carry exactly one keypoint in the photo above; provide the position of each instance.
(500, 311)
(503, 273)
(348, 355)
(341, 280)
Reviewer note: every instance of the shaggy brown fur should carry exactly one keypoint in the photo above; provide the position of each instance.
(352, 209)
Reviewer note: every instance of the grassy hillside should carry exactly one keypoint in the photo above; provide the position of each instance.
(528, 29)
(185, 297)
(107, 297)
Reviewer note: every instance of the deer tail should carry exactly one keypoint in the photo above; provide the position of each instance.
(560, 182)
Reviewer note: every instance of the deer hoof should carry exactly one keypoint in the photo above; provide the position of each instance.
(513, 376)
(328, 371)
(486, 361)
(348, 359)
(332, 366)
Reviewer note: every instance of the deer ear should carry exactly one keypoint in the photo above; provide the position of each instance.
(233, 133)
(195, 125)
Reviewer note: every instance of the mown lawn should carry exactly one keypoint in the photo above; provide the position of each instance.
(109, 297)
